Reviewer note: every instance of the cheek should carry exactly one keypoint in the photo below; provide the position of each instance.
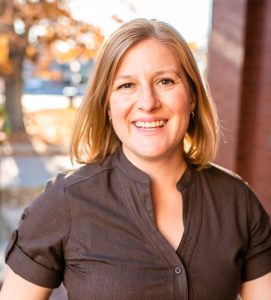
(119, 107)
(179, 103)
(114, 105)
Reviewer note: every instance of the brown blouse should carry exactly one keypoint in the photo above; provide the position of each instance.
(94, 229)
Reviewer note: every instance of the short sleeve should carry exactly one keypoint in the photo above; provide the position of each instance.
(258, 255)
(35, 248)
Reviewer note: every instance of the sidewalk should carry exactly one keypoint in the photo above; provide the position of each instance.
(31, 170)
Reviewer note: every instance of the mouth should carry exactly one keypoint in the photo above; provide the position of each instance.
(151, 124)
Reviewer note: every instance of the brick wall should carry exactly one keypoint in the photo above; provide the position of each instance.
(225, 67)
(254, 155)
(239, 75)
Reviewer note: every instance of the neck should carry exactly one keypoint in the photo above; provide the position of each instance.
(166, 170)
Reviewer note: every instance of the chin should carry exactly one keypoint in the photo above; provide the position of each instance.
(151, 154)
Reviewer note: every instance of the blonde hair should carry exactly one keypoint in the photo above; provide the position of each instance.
(93, 137)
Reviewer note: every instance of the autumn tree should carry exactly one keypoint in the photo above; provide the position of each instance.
(37, 30)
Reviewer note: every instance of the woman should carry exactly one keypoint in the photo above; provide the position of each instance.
(148, 216)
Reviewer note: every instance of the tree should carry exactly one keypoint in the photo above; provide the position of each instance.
(42, 31)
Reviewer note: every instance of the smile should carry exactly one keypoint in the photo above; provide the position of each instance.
(153, 124)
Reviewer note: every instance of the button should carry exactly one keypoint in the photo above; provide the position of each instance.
(178, 270)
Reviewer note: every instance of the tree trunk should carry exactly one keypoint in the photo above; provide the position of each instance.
(13, 93)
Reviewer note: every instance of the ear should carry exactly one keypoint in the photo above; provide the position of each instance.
(192, 103)
(109, 114)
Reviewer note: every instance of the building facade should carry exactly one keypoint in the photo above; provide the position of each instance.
(239, 75)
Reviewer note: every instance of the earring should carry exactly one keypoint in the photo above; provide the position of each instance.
(110, 118)
(192, 115)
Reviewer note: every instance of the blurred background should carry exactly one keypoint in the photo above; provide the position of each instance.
(47, 49)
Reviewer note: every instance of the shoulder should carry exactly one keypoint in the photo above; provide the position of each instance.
(221, 177)
(83, 173)
(222, 172)
(230, 190)
(225, 187)
(55, 191)
(227, 191)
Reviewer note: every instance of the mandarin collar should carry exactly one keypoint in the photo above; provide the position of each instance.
(187, 178)
(120, 161)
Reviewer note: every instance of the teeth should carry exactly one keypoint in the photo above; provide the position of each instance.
(152, 124)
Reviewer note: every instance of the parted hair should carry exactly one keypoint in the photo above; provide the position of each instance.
(93, 137)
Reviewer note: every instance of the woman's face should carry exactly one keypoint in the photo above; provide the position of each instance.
(149, 104)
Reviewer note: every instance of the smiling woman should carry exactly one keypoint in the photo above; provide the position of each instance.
(201, 136)
(150, 108)
(145, 217)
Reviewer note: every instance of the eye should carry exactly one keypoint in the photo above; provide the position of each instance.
(166, 81)
(126, 85)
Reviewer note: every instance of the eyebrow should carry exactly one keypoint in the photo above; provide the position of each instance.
(168, 71)
(121, 77)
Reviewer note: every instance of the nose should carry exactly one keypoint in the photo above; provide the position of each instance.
(147, 100)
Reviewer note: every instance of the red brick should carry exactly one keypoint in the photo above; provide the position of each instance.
(241, 87)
